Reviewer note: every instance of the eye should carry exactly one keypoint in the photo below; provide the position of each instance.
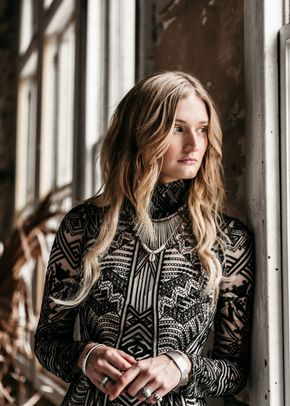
(177, 129)
(203, 130)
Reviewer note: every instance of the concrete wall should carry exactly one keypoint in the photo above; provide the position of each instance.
(9, 24)
(205, 38)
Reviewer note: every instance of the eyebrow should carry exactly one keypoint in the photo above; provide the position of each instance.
(182, 121)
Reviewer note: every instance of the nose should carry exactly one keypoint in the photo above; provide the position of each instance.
(191, 143)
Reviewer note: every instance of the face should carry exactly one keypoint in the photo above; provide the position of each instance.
(188, 144)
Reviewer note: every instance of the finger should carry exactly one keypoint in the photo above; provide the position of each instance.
(127, 357)
(124, 381)
(152, 386)
(102, 368)
(142, 381)
(105, 388)
(114, 357)
(156, 396)
(147, 377)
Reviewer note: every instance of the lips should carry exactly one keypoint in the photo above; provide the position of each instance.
(189, 161)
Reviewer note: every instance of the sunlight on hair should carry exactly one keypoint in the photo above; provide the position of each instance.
(131, 159)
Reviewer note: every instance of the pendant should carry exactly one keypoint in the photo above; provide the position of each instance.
(151, 257)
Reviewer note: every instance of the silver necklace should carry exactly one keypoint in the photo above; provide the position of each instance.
(164, 232)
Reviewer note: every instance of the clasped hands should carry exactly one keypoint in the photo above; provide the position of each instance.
(148, 380)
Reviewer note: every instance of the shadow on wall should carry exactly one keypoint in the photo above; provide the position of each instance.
(206, 38)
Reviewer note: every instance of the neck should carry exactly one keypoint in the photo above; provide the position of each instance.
(168, 198)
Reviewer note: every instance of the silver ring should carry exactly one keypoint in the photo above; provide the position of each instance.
(158, 397)
(146, 392)
(104, 380)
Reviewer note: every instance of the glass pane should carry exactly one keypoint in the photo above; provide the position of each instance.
(31, 138)
(65, 93)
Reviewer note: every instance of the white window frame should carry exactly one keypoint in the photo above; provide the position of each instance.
(26, 25)
(112, 44)
(57, 22)
(285, 192)
(263, 20)
(95, 92)
(26, 125)
(121, 58)
(57, 104)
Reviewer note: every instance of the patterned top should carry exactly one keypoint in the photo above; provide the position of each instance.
(148, 307)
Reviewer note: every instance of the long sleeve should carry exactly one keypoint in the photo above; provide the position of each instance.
(226, 372)
(55, 346)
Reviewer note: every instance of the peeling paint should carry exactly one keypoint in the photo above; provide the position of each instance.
(203, 16)
(236, 113)
(234, 72)
(167, 23)
(207, 38)
(165, 7)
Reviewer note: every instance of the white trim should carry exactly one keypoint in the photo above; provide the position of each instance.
(121, 50)
(30, 67)
(285, 192)
(61, 17)
(26, 21)
(263, 20)
(286, 11)
(110, 74)
(95, 87)
(47, 159)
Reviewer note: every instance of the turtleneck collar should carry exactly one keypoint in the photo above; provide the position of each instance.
(168, 198)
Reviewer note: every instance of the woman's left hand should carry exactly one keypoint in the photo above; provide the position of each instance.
(160, 375)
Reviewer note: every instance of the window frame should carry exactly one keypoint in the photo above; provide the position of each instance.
(285, 193)
(47, 19)
(262, 24)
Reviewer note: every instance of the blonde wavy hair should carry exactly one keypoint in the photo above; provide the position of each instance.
(131, 159)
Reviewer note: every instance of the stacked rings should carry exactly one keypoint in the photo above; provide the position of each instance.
(146, 392)
(158, 397)
(104, 380)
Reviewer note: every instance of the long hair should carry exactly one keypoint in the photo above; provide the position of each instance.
(131, 160)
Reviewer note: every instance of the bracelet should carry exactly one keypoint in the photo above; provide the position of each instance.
(85, 360)
(179, 359)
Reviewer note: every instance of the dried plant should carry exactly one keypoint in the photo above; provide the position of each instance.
(26, 245)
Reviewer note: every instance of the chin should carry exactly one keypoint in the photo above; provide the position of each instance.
(188, 176)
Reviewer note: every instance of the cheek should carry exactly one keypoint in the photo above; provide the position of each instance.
(204, 146)
(170, 153)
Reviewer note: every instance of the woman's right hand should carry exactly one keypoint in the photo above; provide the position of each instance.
(104, 362)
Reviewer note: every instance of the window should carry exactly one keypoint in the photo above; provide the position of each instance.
(44, 138)
(110, 74)
(57, 108)
(26, 133)
(77, 61)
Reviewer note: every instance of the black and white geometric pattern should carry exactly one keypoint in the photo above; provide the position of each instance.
(146, 308)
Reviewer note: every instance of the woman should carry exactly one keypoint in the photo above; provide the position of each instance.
(150, 264)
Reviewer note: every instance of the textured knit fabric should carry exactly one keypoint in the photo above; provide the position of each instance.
(148, 307)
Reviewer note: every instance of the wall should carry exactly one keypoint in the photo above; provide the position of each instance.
(205, 37)
(9, 23)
